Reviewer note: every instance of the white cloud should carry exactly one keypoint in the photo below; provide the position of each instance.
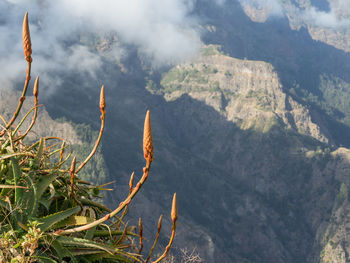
(163, 31)
(328, 19)
(272, 7)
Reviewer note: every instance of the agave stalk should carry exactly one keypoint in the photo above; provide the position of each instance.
(27, 46)
(156, 239)
(147, 138)
(36, 99)
(62, 151)
(103, 112)
(140, 236)
(148, 149)
(3, 120)
(121, 206)
(71, 173)
(131, 182)
(173, 228)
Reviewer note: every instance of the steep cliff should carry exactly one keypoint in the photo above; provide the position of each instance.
(248, 93)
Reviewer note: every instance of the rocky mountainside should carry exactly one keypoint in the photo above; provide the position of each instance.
(247, 93)
(253, 134)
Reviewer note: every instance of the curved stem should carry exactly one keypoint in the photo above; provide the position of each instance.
(33, 120)
(96, 143)
(117, 210)
(156, 239)
(169, 244)
(21, 99)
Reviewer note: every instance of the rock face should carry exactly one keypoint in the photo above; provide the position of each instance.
(293, 190)
(334, 237)
(248, 93)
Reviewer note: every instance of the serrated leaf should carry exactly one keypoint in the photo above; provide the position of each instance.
(105, 233)
(95, 204)
(43, 183)
(47, 222)
(42, 259)
(16, 176)
(45, 203)
(62, 252)
(86, 251)
(90, 233)
(40, 187)
(101, 256)
(80, 242)
(29, 202)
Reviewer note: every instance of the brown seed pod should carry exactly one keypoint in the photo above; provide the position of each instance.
(27, 44)
(147, 138)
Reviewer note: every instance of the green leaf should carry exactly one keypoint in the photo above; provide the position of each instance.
(80, 243)
(28, 199)
(43, 184)
(45, 203)
(16, 176)
(95, 204)
(42, 259)
(5, 205)
(39, 188)
(47, 222)
(90, 233)
(105, 233)
(41, 147)
(85, 251)
(101, 256)
(62, 252)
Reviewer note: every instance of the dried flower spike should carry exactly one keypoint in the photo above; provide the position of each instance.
(27, 44)
(102, 100)
(174, 209)
(36, 87)
(140, 236)
(160, 220)
(147, 138)
(72, 167)
(131, 182)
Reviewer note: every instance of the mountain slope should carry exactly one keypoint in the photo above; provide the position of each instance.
(248, 137)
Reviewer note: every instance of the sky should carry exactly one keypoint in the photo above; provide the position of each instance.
(163, 31)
